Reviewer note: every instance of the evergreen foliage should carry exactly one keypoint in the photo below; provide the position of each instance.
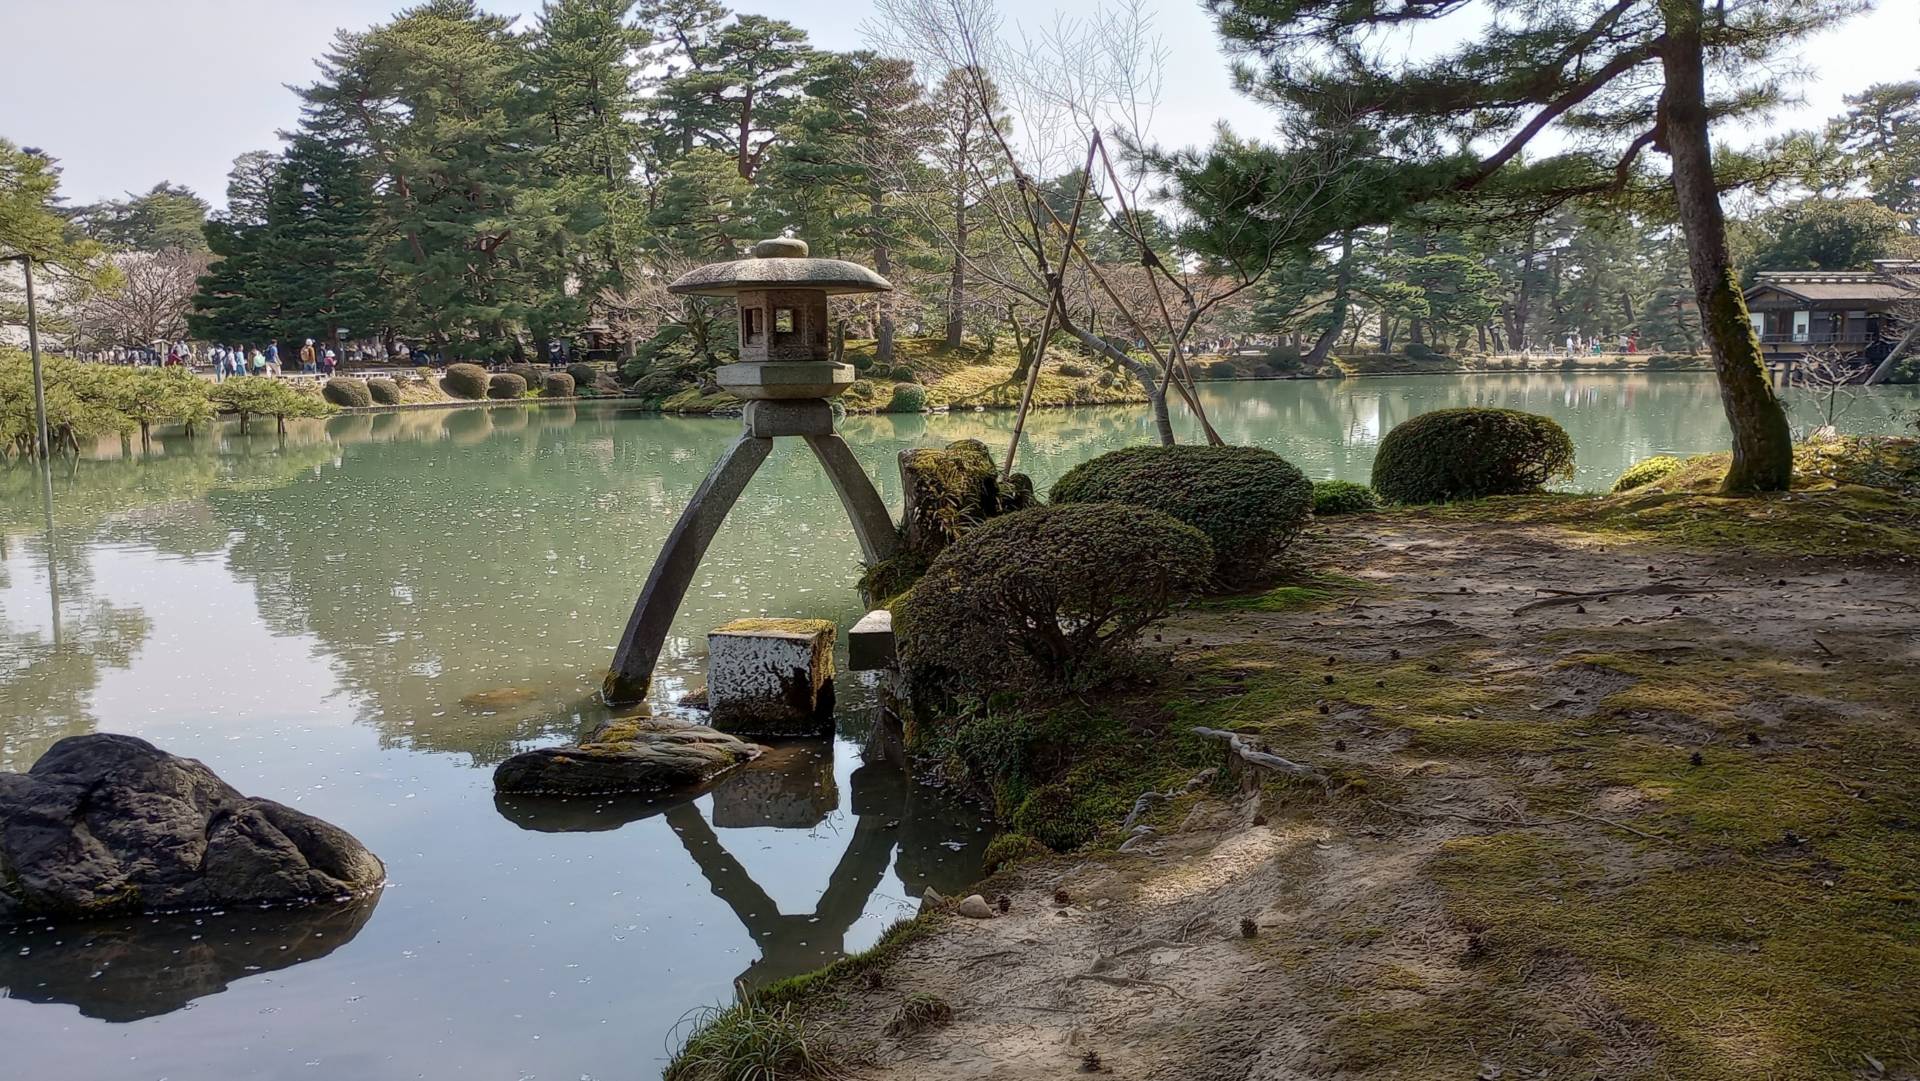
(1249, 502)
(344, 391)
(1455, 454)
(1049, 596)
(1331, 497)
(466, 381)
(383, 391)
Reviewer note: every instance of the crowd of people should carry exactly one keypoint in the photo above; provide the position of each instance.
(232, 360)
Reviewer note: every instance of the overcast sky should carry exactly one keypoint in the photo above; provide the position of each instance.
(130, 92)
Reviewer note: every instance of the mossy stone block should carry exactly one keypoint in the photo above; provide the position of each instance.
(771, 677)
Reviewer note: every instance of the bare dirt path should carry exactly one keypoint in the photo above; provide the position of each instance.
(1592, 811)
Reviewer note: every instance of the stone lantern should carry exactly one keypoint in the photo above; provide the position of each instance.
(785, 375)
(782, 297)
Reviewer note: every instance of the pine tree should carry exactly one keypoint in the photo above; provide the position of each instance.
(320, 270)
(855, 152)
(733, 85)
(234, 303)
(434, 99)
(586, 93)
(1625, 75)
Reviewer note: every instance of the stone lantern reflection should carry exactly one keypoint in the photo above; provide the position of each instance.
(785, 375)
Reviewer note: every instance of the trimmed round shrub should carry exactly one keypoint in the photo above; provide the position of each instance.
(661, 383)
(467, 381)
(1220, 369)
(383, 391)
(1331, 497)
(527, 372)
(583, 373)
(556, 385)
(1049, 596)
(1249, 502)
(506, 386)
(346, 392)
(908, 398)
(1008, 848)
(1453, 454)
(1074, 371)
(861, 361)
(903, 373)
(1646, 471)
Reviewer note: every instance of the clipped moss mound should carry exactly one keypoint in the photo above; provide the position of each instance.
(908, 398)
(1047, 596)
(383, 391)
(903, 373)
(556, 385)
(467, 381)
(1331, 497)
(1888, 462)
(1009, 848)
(349, 393)
(1646, 471)
(1455, 454)
(525, 371)
(506, 386)
(1250, 503)
(584, 374)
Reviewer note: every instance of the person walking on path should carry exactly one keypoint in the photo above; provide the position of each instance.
(259, 362)
(327, 363)
(273, 358)
(307, 362)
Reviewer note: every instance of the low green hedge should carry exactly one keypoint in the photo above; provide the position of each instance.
(506, 386)
(1331, 497)
(1455, 454)
(383, 391)
(556, 385)
(342, 391)
(527, 373)
(467, 381)
(1249, 502)
(1050, 596)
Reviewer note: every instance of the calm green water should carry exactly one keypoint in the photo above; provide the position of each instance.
(307, 615)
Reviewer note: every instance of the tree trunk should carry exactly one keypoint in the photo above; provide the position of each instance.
(1342, 281)
(1143, 373)
(882, 262)
(1762, 440)
(1518, 331)
(957, 284)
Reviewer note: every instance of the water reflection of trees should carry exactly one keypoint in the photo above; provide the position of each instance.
(127, 970)
(930, 840)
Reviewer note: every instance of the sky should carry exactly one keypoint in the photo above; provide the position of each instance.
(127, 93)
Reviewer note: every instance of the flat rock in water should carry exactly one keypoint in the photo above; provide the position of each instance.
(108, 824)
(624, 756)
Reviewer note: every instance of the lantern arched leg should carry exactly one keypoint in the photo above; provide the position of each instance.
(872, 521)
(673, 570)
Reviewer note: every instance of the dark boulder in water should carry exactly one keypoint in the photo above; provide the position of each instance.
(109, 824)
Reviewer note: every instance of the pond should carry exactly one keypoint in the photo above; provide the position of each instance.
(321, 618)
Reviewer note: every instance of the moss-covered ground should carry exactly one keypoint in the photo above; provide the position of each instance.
(1600, 793)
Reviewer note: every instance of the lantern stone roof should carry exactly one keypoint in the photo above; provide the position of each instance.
(780, 263)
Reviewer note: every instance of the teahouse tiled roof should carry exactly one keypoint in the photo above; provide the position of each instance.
(1886, 283)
